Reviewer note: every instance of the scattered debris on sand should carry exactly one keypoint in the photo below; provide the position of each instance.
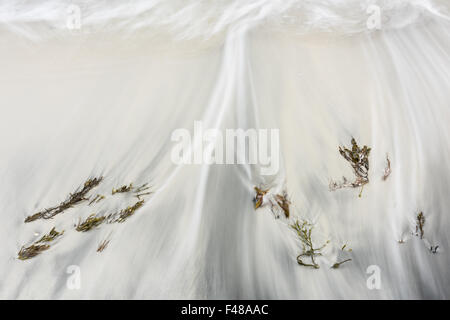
(91, 222)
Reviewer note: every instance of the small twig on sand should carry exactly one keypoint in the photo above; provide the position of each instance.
(338, 264)
(102, 245)
(387, 170)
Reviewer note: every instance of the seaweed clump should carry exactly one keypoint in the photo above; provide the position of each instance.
(52, 235)
(283, 203)
(138, 192)
(259, 197)
(32, 251)
(304, 231)
(359, 160)
(278, 202)
(73, 199)
(420, 231)
(124, 214)
(91, 222)
(420, 223)
(39, 246)
(122, 189)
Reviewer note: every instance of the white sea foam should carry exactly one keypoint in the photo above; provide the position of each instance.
(187, 19)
